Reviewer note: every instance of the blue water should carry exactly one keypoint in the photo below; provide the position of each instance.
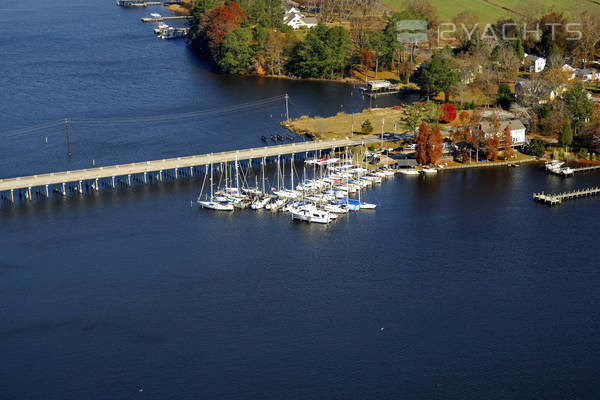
(457, 286)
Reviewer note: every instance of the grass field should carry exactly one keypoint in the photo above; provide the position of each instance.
(492, 10)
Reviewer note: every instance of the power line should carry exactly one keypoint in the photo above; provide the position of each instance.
(155, 118)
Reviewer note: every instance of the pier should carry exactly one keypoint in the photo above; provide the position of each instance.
(168, 18)
(556, 199)
(572, 171)
(43, 185)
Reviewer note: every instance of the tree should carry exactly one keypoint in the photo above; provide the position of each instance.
(322, 52)
(505, 96)
(435, 145)
(535, 147)
(412, 118)
(235, 52)
(197, 12)
(378, 45)
(519, 50)
(509, 63)
(509, 152)
(566, 136)
(578, 105)
(553, 32)
(267, 13)
(448, 113)
(439, 75)
(367, 60)
(366, 127)
(422, 141)
(274, 53)
(491, 147)
(215, 24)
(555, 59)
(553, 122)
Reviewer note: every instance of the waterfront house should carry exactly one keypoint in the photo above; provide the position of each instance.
(517, 130)
(534, 63)
(297, 20)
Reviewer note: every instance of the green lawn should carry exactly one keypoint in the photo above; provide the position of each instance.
(491, 11)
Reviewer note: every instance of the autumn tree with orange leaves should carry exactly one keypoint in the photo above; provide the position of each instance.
(422, 141)
(491, 147)
(509, 152)
(435, 145)
(216, 23)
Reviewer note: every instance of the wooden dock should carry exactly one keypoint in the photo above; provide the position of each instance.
(157, 170)
(566, 172)
(557, 198)
(169, 18)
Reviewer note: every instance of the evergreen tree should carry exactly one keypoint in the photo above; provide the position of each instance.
(366, 127)
(566, 136)
(439, 75)
(505, 96)
(322, 52)
(519, 50)
(236, 52)
(579, 105)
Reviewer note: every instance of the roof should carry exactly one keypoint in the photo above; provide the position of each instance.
(534, 58)
(515, 124)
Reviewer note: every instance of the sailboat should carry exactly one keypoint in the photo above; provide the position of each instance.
(211, 204)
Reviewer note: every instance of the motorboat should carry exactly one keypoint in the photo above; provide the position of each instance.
(429, 170)
(310, 213)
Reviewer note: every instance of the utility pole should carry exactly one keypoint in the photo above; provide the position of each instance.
(287, 115)
(67, 135)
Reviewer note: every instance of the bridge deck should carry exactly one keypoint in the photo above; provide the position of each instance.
(53, 178)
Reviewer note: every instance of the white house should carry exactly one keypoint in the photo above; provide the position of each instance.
(294, 18)
(517, 130)
(534, 63)
(297, 20)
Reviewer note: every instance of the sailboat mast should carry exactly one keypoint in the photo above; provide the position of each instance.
(263, 174)
(237, 183)
(292, 172)
(278, 187)
(211, 181)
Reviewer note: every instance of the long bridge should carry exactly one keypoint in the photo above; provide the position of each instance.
(157, 170)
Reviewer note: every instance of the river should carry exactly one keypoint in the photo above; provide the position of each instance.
(457, 286)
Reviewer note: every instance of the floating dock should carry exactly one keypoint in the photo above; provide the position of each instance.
(144, 172)
(556, 199)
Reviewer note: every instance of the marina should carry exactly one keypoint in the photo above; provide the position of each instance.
(326, 188)
(43, 185)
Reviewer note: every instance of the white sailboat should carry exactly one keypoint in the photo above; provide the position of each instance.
(211, 204)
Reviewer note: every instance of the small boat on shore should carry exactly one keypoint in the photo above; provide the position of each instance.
(429, 170)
